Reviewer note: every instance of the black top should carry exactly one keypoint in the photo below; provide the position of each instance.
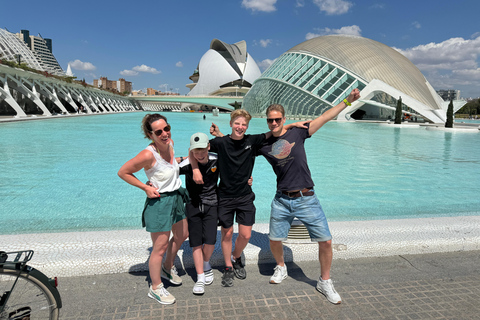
(287, 156)
(205, 193)
(235, 162)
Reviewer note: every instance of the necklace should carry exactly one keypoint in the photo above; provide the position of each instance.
(158, 151)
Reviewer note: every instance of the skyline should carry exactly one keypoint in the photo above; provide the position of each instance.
(159, 44)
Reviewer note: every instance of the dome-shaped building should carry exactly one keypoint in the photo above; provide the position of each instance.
(319, 73)
(225, 69)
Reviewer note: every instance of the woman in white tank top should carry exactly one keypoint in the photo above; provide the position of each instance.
(164, 209)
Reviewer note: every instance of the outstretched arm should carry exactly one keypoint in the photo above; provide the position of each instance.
(333, 112)
(215, 130)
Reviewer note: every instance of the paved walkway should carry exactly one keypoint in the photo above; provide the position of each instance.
(422, 286)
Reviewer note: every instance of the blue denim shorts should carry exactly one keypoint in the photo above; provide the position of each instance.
(306, 209)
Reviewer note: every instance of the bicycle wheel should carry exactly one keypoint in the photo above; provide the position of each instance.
(30, 299)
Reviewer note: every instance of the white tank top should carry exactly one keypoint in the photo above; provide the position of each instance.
(163, 175)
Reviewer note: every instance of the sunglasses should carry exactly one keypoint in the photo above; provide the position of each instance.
(277, 120)
(160, 131)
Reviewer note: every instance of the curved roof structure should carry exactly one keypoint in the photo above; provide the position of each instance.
(223, 67)
(11, 46)
(317, 74)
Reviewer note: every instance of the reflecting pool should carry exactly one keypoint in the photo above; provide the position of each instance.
(61, 174)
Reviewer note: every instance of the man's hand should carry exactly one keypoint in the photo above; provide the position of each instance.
(299, 124)
(197, 176)
(250, 181)
(215, 131)
(353, 96)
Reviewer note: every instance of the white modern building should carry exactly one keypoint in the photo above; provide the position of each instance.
(225, 69)
(12, 48)
(35, 51)
(317, 74)
(42, 48)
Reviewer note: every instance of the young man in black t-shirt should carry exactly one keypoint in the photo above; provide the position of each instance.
(236, 158)
(295, 196)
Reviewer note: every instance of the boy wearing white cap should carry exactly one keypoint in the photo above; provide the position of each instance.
(202, 211)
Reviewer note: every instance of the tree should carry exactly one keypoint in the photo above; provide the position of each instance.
(471, 108)
(236, 105)
(398, 111)
(449, 122)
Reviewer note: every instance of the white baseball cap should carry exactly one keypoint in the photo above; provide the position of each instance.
(198, 140)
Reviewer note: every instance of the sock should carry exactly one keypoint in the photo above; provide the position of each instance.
(206, 265)
(201, 277)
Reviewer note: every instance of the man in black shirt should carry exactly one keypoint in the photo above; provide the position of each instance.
(236, 158)
(295, 196)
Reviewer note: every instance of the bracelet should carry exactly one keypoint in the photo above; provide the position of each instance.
(346, 102)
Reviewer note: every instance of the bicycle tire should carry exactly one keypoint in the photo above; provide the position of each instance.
(30, 295)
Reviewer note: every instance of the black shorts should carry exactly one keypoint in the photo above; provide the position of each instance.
(202, 224)
(242, 206)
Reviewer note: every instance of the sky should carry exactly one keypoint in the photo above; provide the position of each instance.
(158, 44)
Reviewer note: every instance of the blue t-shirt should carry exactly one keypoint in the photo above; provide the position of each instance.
(287, 156)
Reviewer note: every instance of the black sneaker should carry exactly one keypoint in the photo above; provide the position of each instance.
(238, 268)
(227, 278)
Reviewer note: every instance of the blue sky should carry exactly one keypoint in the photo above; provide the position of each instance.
(158, 44)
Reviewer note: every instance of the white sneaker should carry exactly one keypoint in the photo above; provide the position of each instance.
(279, 274)
(199, 287)
(326, 288)
(171, 276)
(161, 295)
(208, 277)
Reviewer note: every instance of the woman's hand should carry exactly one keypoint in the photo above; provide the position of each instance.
(151, 191)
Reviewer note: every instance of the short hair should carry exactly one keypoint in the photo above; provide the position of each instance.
(240, 113)
(276, 107)
(147, 123)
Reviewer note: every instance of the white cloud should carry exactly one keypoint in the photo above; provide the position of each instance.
(79, 65)
(300, 3)
(450, 64)
(451, 54)
(333, 7)
(147, 69)
(264, 64)
(129, 73)
(416, 25)
(265, 42)
(137, 69)
(179, 64)
(350, 30)
(260, 5)
(378, 6)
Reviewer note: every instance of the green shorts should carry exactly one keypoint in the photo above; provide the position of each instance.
(160, 214)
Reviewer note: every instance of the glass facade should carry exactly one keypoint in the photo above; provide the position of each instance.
(304, 84)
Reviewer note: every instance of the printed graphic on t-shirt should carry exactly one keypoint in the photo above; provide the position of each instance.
(281, 149)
